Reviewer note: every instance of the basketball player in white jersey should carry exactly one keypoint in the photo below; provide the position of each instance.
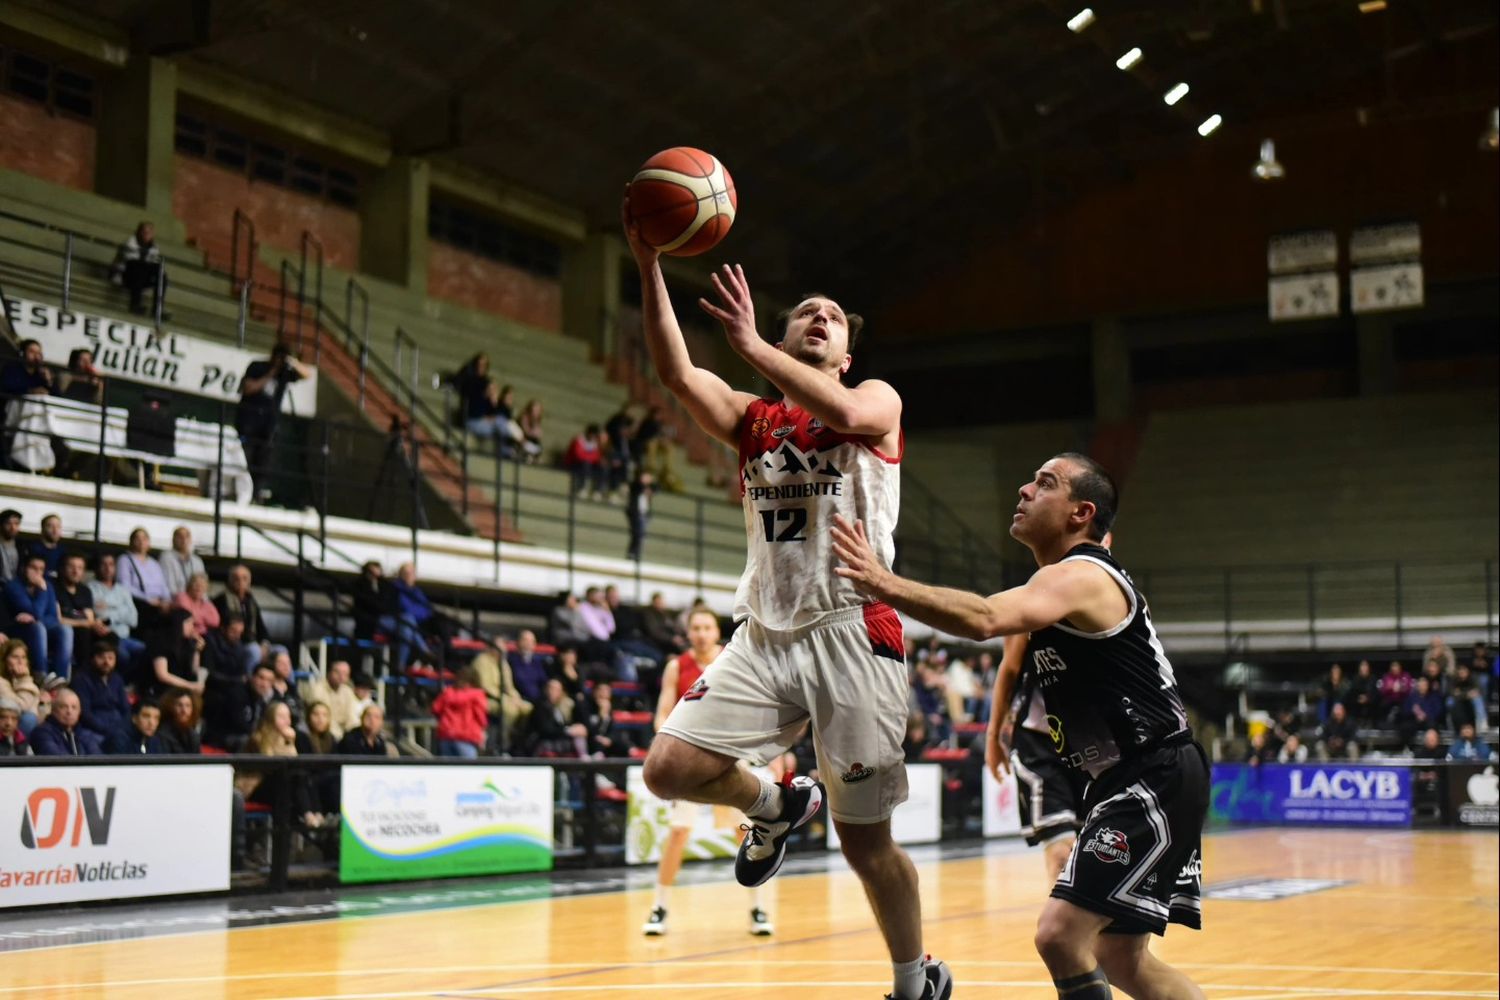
(679, 677)
(809, 648)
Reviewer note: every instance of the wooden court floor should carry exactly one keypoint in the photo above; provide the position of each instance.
(1415, 917)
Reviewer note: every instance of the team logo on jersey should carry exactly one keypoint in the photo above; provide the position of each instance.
(1109, 846)
(1150, 882)
(814, 425)
(759, 426)
(1055, 730)
(698, 690)
(783, 431)
(856, 772)
(1192, 871)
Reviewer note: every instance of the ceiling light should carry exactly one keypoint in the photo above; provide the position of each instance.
(1176, 94)
(1081, 20)
(1489, 139)
(1266, 168)
(1129, 59)
(1209, 124)
(1371, 6)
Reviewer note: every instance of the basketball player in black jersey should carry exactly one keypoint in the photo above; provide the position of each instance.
(1109, 687)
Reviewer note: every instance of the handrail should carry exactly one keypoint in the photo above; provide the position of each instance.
(241, 222)
(309, 241)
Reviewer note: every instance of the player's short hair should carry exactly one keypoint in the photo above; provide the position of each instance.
(1096, 486)
(703, 611)
(855, 320)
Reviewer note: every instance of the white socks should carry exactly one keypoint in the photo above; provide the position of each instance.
(662, 893)
(768, 803)
(911, 981)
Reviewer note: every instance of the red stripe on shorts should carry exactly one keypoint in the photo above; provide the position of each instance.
(883, 626)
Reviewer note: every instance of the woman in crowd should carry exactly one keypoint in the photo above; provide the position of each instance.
(174, 658)
(368, 740)
(531, 429)
(180, 711)
(276, 737)
(19, 685)
(319, 736)
(194, 600)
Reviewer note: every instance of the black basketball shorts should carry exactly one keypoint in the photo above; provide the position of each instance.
(1138, 858)
(1051, 792)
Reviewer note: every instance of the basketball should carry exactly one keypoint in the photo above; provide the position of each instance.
(683, 200)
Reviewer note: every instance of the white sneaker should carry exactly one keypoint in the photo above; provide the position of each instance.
(760, 923)
(656, 924)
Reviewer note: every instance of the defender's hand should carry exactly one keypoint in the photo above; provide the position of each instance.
(861, 565)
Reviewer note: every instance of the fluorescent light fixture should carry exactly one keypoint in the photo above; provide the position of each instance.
(1129, 59)
(1210, 123)
(1176, 94)
(1371, 6)
(1268, 168)
(1081, 20)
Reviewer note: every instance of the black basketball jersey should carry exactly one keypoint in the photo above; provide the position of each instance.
(1111, 694)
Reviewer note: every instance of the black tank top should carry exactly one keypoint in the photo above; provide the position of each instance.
(1109, 695)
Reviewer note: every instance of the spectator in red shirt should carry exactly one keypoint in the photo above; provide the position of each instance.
(463, 716)
(1394, 687)
(194, 600)
(586, 460)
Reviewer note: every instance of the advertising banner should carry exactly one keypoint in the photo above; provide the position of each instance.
(140, 353)
(77, 833)
(434, 821)
(1313, 794)
(1473, 794)
(715, 829)
(1002, 811)
(918, 820)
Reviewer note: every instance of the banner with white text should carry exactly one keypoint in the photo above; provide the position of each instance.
(1313, 794)
(78, 833)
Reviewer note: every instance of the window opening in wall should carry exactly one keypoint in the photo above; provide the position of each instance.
(265, 162)
(462, 227)
(64, 91)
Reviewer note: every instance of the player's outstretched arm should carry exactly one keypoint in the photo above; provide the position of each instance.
(716, 407)
(1076, 591)
(872, 408)
(997, 733)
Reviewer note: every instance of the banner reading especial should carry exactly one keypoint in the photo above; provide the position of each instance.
(406, 822)
(1313, 794)
(76, 833)
(139, 353)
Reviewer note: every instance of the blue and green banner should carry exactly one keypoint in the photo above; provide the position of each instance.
(1313, 794)
(433, 821)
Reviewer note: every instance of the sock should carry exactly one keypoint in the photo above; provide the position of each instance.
(911, 981)
(662, 894)
(768, 803)
(755, 897)
(1089, 986)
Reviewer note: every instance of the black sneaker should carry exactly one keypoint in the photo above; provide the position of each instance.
(656, 924)
(764, 846)
(939, 982)
(760, 923)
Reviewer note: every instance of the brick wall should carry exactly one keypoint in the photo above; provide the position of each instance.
(490, 286)
(54, 148)
(204, 197)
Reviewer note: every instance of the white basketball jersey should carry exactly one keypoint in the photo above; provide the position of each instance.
(795, 474)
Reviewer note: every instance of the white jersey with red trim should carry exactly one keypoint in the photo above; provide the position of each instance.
(795, 474)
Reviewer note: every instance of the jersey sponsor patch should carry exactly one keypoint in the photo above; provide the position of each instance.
(857, 772)
(697, 691)
(1110, 846)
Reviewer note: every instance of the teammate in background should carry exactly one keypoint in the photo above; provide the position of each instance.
(809, 648)
(679, 677)
(1115, 713)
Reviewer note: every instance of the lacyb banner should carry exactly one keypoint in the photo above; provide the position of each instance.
(1313, 794)
(74, 833)
(139, 353)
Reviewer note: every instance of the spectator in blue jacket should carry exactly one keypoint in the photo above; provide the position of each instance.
(413, 611)
(140, 736)
(101, 693)
(1469, 747)
(49, 546)
(32, 604)
(58, 735)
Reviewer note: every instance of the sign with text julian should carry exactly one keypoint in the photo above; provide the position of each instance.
(143, 354)
(406, 822)
(77, 833)
(1313, 794)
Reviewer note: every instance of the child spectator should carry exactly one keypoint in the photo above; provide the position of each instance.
(462, 713)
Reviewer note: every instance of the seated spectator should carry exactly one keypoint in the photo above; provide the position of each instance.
(660, 627)
(194, 600)
(180, 563)
(605, 740)
(614, 444)
(143, 577)
(554, 730)
(28, 375)
(140, 736)
(114, 606)
(174, 659)
(462, 714)
(232, 713)
(1259, 752)
(374, 601)
(492, 419)
(17, 683)
(104, 708)
(1336, 735)
(48, 547)
(916, 741)
(239, 599)
(1292, 751)
(12, 740)
(1467, 747)
(630, 633)
(275, 736)
(1424, 709)
(530, 422)
(1335, 688)
(138, 266)
(32, 602)
(180, 711)
(284, 684)
(84, 384)
(1466, 701)
(224, 649)
(58, 734)
(75, 606)
(528, 670)
(566, 624)
(414, 612)
(335, 691)
(1365, 695)
(1432, 746)
(320, 738)
(564, 670)
(599, 620)
(10, 551)
(960, 690)
(1395, 686)
(473, 383)
(585, 459)
(1439, 651)
(369, 739)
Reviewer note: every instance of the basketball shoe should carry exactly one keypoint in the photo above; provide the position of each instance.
(764, 846)
(939, 982)
(760, 923)
(656, 924)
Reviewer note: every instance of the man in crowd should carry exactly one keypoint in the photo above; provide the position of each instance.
(180, 564)
(374, 601)
(32, 602)
(638, 511)
(567, 624)
(114, 607)
(262, 388)
(140, 736)
(27, 376)
(232, 712)
(137, 266)
(660, 627)
(75, 606)
(12, 740)
(554, 728)
(104, 708)
(1467, 747)
(368, 740)
(335, 691)
(523, 684)
(49, 545)
(58, 735)
(413, 614)
(239, 599)
(10, 554)
(1336, 735)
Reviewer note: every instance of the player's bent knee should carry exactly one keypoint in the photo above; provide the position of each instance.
(675, 769)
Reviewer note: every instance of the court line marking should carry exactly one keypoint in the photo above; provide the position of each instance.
(1269, 992)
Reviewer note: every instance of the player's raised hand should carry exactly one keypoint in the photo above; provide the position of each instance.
(736, 310)
(860, 563)
(645, 254)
